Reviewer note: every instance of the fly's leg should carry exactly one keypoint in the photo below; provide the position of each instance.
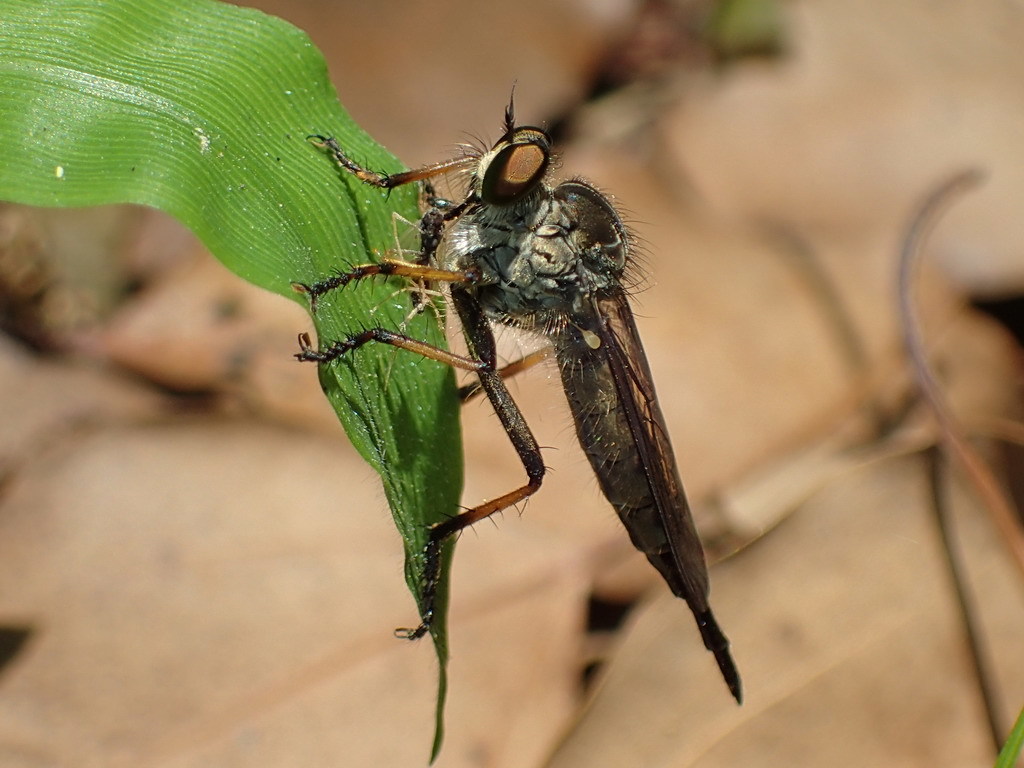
(483, 361)
(392, 180)
(446, 208)
(528, 450)
(431, 198)
(431, 224)
(482, 347)
(424, 272)
(419, 288)
(529, 453)
(470, 391)
(307, 354)
(387, 268)
(431, 230)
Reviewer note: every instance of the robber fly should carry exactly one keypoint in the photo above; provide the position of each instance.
(524, 251)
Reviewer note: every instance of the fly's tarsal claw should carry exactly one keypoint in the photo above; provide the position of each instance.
(431, 576)
(306, 352)
(309, 291)
(408, 633)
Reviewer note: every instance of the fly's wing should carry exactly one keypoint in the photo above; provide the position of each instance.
(634, 386)
(682, 563)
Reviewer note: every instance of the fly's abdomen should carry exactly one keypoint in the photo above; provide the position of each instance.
(604, 434)
(635, 471)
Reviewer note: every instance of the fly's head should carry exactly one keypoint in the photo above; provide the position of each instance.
(513, 168)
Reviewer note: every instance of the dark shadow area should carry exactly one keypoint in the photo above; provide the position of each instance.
(12, 642)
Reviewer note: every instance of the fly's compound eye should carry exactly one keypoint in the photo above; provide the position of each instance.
(515, 167)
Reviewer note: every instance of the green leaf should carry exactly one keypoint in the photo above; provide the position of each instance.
(738, 29)
(1011, 751)
(202, 109)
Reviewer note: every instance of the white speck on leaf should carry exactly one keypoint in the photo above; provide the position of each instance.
(204, 140)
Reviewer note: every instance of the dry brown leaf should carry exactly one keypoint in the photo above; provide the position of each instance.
(877, 102)
(422, 78)
(216, 592)
(844, 624)
(42, 402)
(203, 329)
(842, 618)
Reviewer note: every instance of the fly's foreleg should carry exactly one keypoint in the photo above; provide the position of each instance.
(431, 224)
(389, 180)
(431, 228)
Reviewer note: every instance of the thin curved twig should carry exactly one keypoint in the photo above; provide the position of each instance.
(952, 435)
(957, 448)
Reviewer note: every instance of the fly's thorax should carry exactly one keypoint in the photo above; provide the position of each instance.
(542, 257)
(595, 231)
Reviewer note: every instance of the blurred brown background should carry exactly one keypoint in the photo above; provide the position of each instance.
(196, 569)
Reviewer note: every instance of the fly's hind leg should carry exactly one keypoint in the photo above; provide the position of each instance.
(482, 347)
(470, 391)
(529, 453)
(482, 361)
